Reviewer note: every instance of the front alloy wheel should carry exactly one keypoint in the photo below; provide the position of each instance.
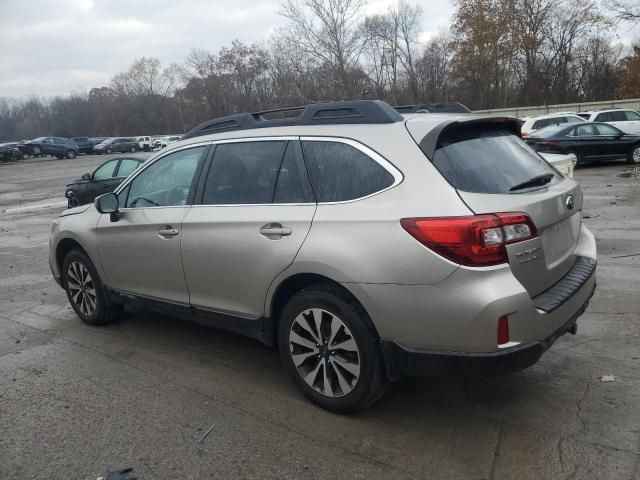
(635, 155)
(82, 290)
(324, 352)
(85, 291)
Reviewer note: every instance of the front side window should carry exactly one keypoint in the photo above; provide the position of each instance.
(632, 116)
(603, 117)
(167, 181)
(105, 171)
(340, 172)
(244, 173)
(607, 130)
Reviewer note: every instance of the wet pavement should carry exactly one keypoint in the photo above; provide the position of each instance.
(78, 400)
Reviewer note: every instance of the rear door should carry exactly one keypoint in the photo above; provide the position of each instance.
(255, 210)
(486, 164)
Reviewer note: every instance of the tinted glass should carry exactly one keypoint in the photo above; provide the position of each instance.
(603, 117)
(619, 116)
(243, 173)
(60, 140)
(607, 130)
(293, 184)
(631, 115)
(541, 123)
(481, 161)
(585, 131)
(573, 120)
(166, 182)
(341, 172)
(106, 170)
(127, 166)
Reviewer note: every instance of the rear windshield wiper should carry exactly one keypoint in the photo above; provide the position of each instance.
(536, 181)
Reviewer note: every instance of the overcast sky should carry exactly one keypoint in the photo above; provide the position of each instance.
(52, 47)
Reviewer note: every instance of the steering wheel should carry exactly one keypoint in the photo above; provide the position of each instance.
(178, 194)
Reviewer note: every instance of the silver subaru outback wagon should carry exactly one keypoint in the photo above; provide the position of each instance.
(365, 244)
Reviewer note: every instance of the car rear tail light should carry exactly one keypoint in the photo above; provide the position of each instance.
(503, 330)
(475, 241)
(524, 134)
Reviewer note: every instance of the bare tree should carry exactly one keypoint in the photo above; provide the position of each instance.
(627, 10)
(328, 31)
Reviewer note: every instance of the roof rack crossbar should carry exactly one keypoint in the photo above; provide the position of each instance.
(329, 113)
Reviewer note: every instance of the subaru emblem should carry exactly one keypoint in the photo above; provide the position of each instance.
(570, 202)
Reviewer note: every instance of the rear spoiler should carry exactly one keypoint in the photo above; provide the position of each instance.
(441, 107)
(432, 140)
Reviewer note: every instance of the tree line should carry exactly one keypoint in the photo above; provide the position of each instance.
(497, 53)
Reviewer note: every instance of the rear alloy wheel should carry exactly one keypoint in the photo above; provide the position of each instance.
(108, 151)
(71, 154)
(329, 346)
(133, 150)
(577, 160)
(634, 157)
(36, 151)
(85, 292)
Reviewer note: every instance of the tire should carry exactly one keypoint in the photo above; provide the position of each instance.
(36, 151)
(72, 201)
(108, 151)
(71, 154)
(634, 155)
(24, 156)
(579, 160)
(133, 150)
(353, 330)
(75, 267)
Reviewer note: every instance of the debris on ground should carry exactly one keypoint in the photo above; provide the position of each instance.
(205, 434)
(608, 378)
(122, 474)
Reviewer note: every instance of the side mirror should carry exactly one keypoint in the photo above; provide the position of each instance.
(86, 176)
(108, 203)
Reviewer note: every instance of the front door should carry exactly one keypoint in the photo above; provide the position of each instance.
(255, 211)
(140, 252)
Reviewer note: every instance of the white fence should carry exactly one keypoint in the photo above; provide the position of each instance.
(521, 112)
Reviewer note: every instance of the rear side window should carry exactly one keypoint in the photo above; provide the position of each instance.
(541, 123)
(244, 173)
(604, 117)
(585, 131)
(341, 172)
(478, 160)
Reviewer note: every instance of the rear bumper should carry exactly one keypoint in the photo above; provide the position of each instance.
(402, 361)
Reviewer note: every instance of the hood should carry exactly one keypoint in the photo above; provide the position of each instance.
(78, 181)
(76, 210)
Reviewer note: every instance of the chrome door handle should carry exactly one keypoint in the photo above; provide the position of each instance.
(168, 232)
(274, 231)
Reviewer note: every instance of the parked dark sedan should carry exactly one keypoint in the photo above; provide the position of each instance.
(104, 179)
(10, 152)
(118, 144)
(56, 146)
(588, 142)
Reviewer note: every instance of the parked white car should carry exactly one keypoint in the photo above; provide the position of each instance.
(564, 163)
(145, 143)
(531, 124)
(626, 120)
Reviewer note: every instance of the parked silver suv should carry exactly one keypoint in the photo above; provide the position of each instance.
(365, 244)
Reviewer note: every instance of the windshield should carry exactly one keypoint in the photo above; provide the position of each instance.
(480, 161)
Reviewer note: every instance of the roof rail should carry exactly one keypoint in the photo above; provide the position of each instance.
(442, 107)
(329, 113)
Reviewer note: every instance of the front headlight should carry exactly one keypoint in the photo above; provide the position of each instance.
(55, 225)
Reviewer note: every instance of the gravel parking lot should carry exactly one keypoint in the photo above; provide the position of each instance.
(77, 400)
